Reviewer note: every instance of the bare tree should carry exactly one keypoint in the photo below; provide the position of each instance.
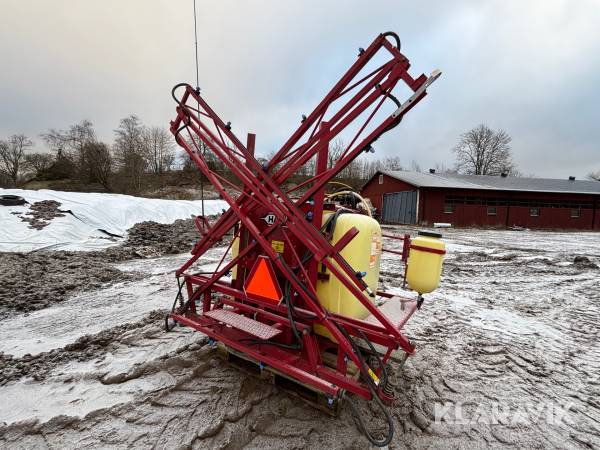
(391, 163)
(159, 146)
(267, 159)
(336, 149)
(40, 163)
(352, 171)
(100, 162)
(415, 166)
(12, 156)
(371, 167)
(70, 144)
(63, 167)
(130, 151)
(440, 167)
(5, 178)
(483, 151)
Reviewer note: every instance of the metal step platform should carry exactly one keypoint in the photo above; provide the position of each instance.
(243, 323)
(397, 309)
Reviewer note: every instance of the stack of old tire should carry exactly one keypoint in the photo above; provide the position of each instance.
(11, 200)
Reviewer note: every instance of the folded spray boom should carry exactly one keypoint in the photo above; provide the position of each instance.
(266, 298)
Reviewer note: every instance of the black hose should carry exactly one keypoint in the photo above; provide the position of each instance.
(329, 226)
(177, 86)
(373, 389)
(384, 373)
(179, 130)
(169, 327)
(378, 443)
(395, 36)
(393, 98)
(290, 314)
(364, 371)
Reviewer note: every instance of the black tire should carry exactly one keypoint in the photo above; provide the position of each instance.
(11, 200)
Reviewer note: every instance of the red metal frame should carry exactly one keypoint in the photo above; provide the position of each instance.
(296, 223)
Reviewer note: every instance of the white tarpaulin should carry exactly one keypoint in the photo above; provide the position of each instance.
(92, 217)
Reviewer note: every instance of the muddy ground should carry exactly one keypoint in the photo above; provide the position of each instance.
(508, 357)
(36, 280)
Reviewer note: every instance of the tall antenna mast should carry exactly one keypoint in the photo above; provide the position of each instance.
(196, 45)
(198, 90)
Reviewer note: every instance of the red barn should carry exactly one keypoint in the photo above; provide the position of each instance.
(482, 200)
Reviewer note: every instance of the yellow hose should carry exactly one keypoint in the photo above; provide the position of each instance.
(353, 193)
(341, 184)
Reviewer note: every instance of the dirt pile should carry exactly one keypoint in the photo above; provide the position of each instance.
(40, 214)
(583, 262)
(32, 281)
(154, 239)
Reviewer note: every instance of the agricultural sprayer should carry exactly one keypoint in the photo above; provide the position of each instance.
(296, 290)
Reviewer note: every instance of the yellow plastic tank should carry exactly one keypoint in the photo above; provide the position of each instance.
(424, 267)
(363, 253)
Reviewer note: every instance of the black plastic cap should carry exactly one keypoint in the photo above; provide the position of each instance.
(432, 234)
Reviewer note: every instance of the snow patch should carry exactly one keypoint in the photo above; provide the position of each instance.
(96, 221)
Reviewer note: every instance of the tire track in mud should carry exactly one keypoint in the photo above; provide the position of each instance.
(84, 348)
(532, 366)
(513, 327)
(210, 405)
(546, 357)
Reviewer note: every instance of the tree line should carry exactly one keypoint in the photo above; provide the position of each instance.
(76, 153)
(139, 150)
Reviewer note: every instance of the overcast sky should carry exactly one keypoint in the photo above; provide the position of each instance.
(529, 67)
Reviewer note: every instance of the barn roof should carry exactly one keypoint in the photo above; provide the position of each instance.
(495, 183)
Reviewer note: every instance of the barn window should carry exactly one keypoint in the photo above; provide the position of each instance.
(381, 178)
(448, 208)
(491, 210)
(575, 213)
(534, 212)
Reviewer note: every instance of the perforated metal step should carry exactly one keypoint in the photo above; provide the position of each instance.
(397, 309)
(250, 326)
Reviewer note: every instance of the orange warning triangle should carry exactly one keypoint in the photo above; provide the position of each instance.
(262, 283)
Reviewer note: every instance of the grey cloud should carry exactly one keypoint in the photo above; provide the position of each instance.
(528, 67)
